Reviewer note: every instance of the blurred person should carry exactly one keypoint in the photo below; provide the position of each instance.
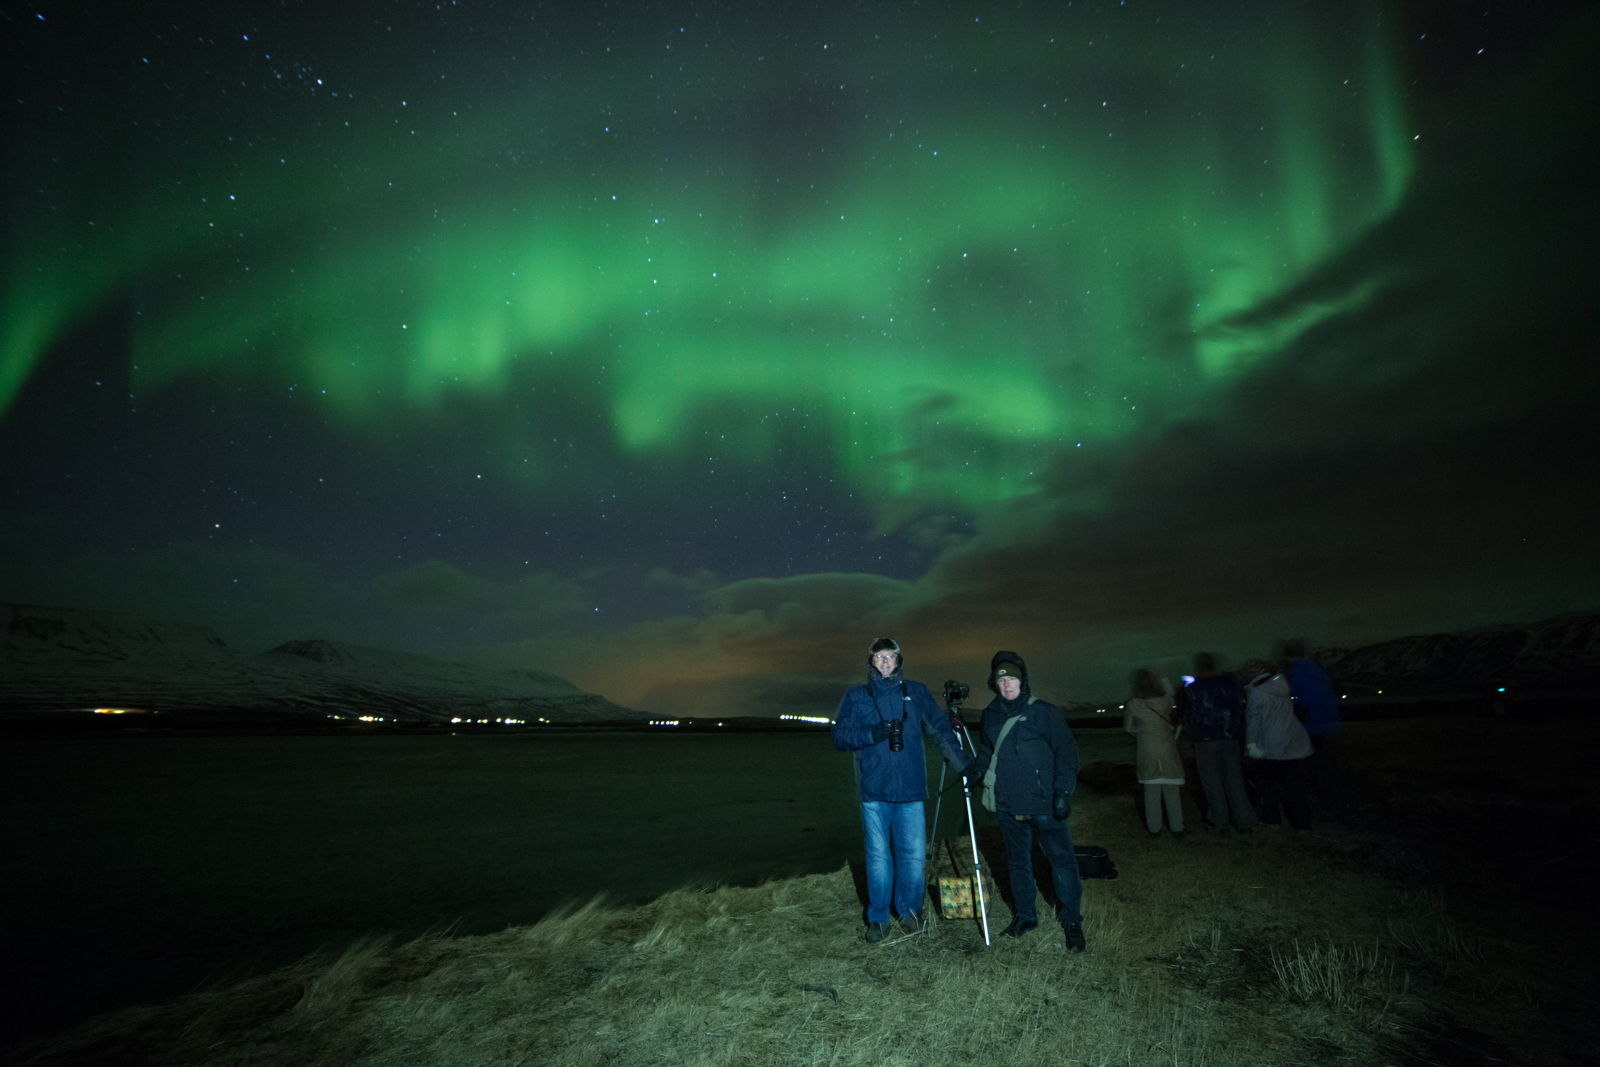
(883, 723)
(1148, 716)
(1028, 763)
(1214, 717)
(1278, 743)
(1310, 688)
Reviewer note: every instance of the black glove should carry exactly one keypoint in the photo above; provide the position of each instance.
(970, 773)
(1062, 806)
(880, 730)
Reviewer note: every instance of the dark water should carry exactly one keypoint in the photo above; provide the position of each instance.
(139, 868)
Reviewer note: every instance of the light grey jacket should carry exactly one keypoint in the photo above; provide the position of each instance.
(1269, 722)
(1150, 720)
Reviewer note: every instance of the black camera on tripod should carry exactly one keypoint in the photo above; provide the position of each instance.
(955, 692)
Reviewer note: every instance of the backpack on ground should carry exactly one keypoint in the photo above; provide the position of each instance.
(1094, 862)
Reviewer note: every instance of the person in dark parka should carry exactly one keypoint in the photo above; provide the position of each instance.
(883, 722)
(1215, 718)
(1028, 764)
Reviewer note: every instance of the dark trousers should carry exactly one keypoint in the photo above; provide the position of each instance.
(1278, 784)
(1055, 840)
(1224, 783)
(1325, 780)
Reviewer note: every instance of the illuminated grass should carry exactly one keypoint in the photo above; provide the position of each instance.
(1195, 956)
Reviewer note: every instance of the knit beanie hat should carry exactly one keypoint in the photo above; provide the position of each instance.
(1007, 664)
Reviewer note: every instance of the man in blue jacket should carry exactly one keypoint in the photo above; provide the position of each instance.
(1028, 764)
(882, 722)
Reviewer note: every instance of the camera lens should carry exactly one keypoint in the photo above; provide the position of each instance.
(897, 735)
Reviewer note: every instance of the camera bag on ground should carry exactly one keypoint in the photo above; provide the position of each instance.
(958, 895)
(1094, 862)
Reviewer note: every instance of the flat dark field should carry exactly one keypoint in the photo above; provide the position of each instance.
(138, 868)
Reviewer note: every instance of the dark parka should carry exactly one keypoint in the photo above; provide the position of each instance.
(882, 774)
(1039, 757)
(1215, 709)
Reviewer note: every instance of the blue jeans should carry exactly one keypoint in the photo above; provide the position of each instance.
(901, 873)
(1055, 840)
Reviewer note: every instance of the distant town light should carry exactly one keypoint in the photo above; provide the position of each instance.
(665, 722)
(146, 711)
(806, 718)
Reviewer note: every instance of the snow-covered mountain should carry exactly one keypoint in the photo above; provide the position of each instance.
(1562, 653)
(62, 659)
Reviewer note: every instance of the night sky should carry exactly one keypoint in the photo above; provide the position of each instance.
(682, 349)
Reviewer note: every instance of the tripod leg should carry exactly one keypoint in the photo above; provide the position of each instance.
(933, 831)
(977, 869)
(972, 828)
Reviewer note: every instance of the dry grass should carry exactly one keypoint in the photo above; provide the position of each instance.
(1279, 948)
(1196, 956)
(1345, 978)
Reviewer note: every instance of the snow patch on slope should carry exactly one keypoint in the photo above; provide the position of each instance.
(67, 659)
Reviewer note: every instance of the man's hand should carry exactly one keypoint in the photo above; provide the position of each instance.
(1062, 806)
(880, 730)
(1253, 751)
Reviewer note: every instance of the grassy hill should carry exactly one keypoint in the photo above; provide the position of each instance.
(1403, 941)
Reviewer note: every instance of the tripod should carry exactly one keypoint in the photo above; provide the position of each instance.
(953, 709)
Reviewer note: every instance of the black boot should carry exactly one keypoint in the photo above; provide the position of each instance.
(1018, 927)
(1075, 941)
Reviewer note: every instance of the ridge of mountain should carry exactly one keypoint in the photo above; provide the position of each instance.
(342, 657)
(1558, 653)
(59, 659)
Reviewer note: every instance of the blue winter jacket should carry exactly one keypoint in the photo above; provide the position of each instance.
(1310, 686)
(1215, 709)
(897, 777)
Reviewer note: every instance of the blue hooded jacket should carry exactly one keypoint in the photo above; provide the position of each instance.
(881, 774)
(1310, 686)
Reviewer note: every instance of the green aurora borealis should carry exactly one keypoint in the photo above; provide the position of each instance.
(931, 253)
(997, 222)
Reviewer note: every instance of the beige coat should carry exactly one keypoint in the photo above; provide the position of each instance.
(1149, 719)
